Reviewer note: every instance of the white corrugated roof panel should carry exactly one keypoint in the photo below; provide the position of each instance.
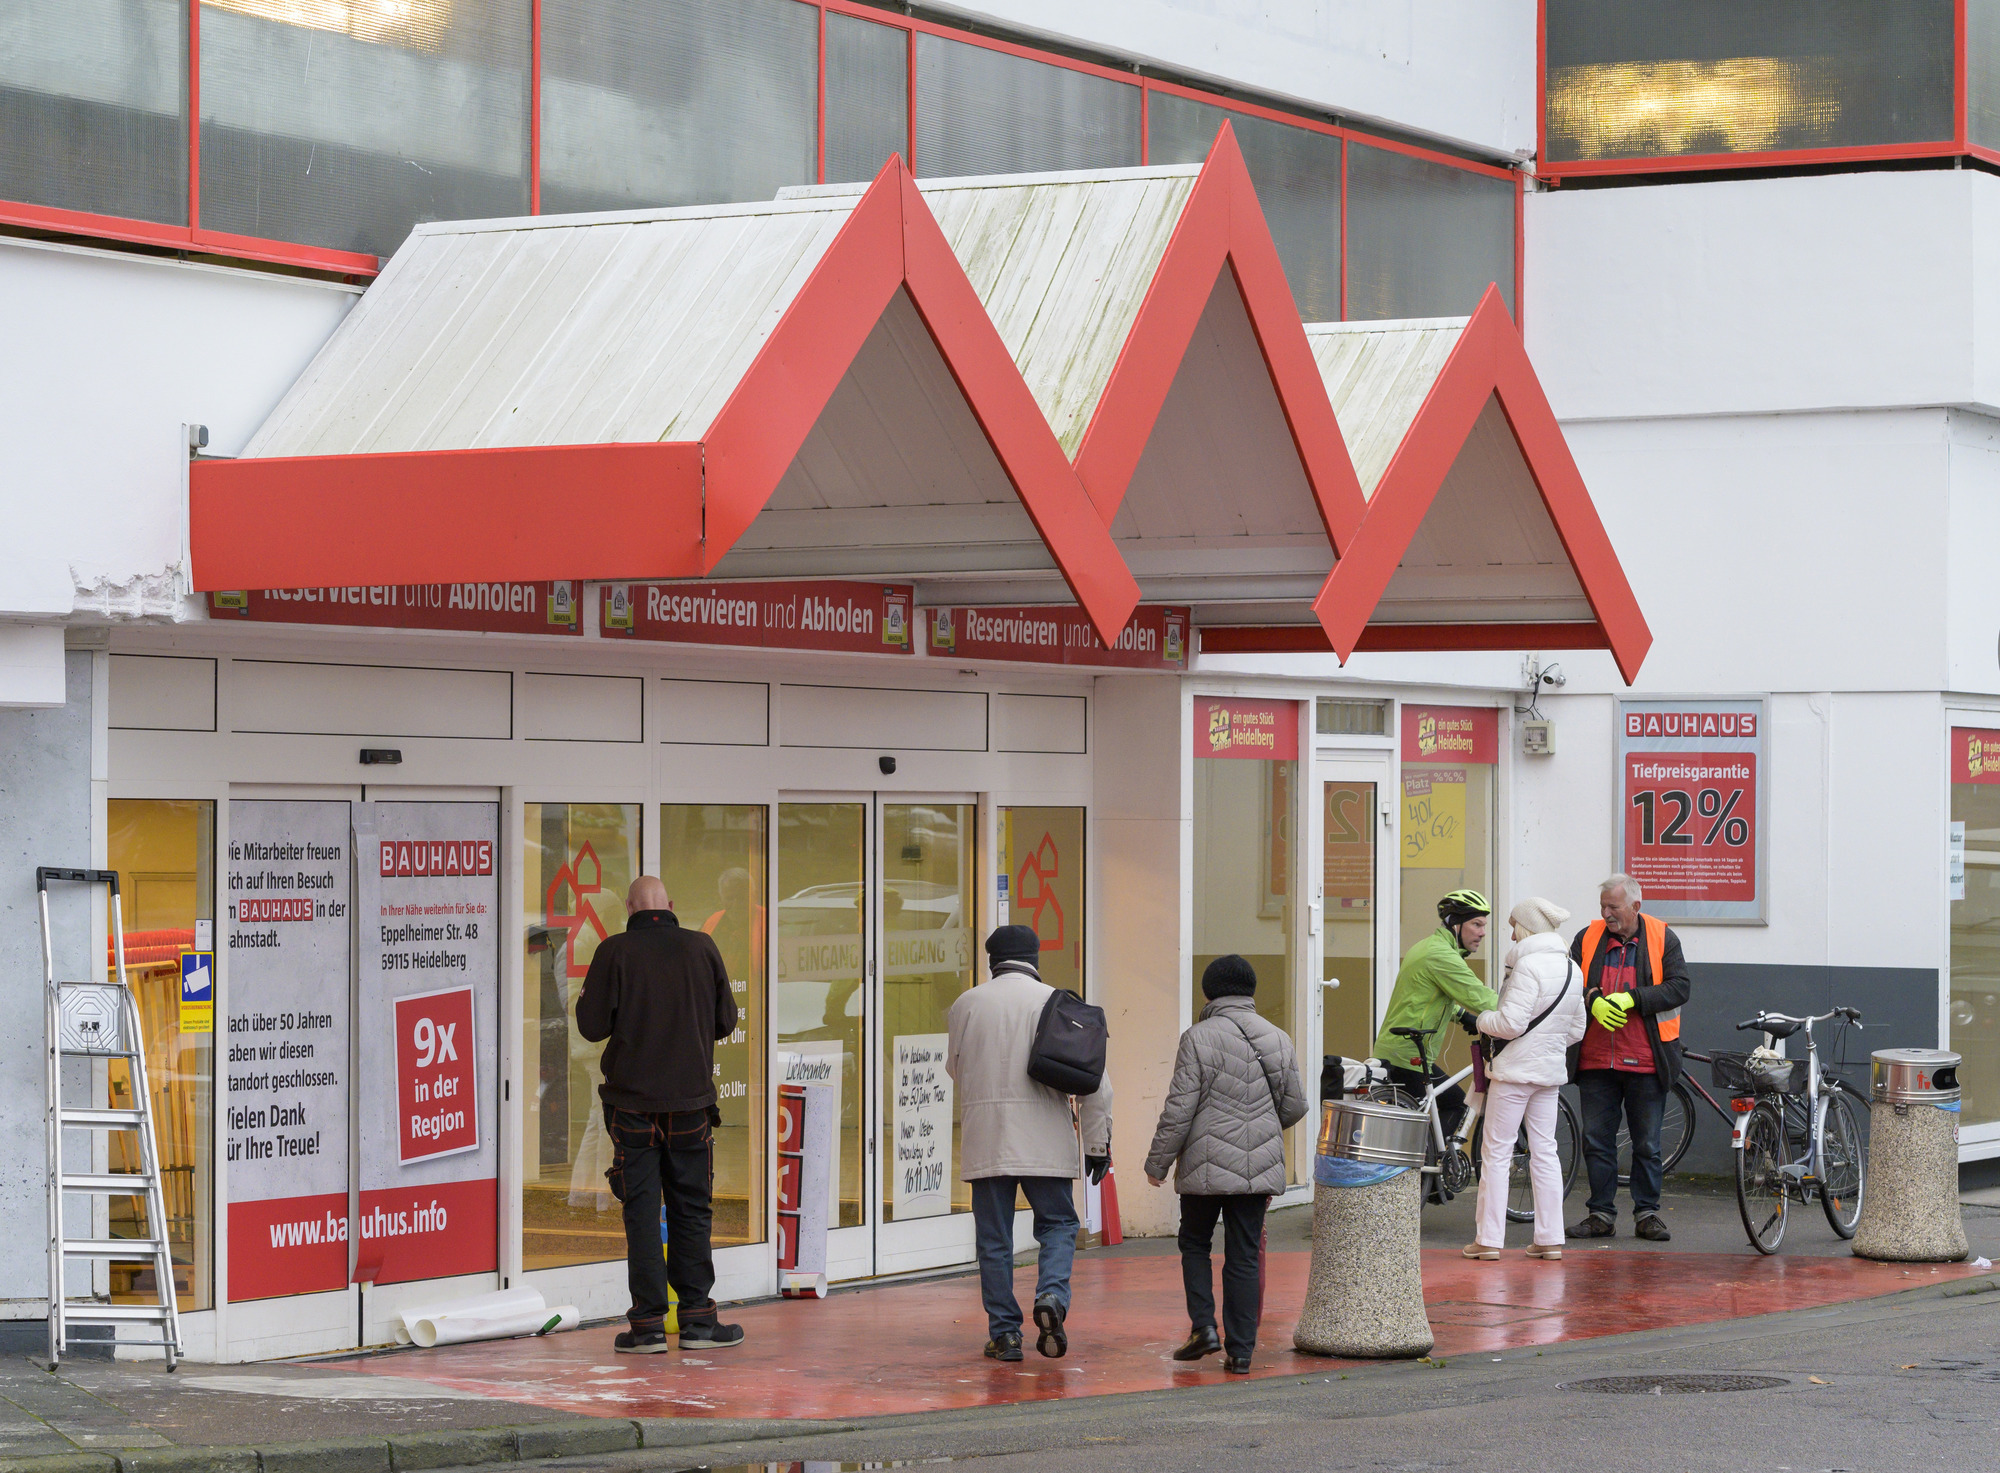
(1377, 374)
(555, 330)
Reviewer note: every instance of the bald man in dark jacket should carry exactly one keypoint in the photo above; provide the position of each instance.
(661, 996)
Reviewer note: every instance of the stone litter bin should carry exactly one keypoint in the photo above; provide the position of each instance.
(1909, 1209)
(1365, 1294)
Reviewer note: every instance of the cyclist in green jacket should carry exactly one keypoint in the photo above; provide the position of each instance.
(1435, 983)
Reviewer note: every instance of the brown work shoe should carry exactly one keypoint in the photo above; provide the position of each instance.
(1597, 1225)
(1480, 1251)
(1550, 1251)
(1652, 1227)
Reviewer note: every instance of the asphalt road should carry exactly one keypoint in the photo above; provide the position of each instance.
(1908, 1382)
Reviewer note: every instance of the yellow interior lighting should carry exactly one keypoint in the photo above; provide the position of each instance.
(418, 25)
(1741, 104)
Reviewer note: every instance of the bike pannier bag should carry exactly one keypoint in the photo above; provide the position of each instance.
(1070, 1043)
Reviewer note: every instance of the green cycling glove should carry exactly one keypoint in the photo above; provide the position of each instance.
(1608, 1014)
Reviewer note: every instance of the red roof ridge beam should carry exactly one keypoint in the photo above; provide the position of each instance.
(767, 418)
(1221, 225)
(1488, 361)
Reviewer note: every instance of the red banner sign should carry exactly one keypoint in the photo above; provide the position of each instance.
(861, 618)
(287, 1245)
(1259, 730)
(418, 859)
(1975, 755)
(436, 1082)
(1155, 638)
(419, 1232)
(489, 608)
(1450, 734)
(1690, 824)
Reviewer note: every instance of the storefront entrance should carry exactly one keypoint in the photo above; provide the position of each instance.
(1357, 940)
(876, 936)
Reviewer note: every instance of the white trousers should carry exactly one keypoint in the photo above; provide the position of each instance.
(1507, 1104)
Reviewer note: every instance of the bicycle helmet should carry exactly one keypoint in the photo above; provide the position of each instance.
(1461, 906)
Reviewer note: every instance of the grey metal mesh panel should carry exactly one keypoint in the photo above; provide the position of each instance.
(348, 131)
(1655, 78)
(676, 102)
(987, 112)
(93, 106)
(1982, 72)
(1297, 174)
(1424, 239)
(867, 97)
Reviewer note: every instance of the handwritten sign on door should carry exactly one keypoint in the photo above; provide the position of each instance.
(921, 1165)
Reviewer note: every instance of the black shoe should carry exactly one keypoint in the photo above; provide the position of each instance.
(708, 1335)
(636, 1342)
(1597, 1225)
(1049, 1317)
(1004, 1346)
(1236, 1365)
(1200, 1342)
(1652, 1227)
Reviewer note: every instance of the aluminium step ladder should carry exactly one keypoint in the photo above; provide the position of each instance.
(100, 1020)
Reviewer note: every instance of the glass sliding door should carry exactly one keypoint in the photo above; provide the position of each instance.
(714, 861)
(578, 861)
(1041, 855)
(819, 992)
(1350, 917)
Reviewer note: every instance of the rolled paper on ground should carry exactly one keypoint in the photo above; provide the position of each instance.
(456, 1329)
(499, 1302)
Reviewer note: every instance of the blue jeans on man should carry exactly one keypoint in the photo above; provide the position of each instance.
(1054, 1203)
(1612, 1096)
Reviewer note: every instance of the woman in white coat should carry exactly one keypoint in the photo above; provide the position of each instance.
(1540, 1015)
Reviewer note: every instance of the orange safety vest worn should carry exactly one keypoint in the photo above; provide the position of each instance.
(1655, 932)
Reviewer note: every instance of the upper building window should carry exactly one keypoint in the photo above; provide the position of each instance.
(1636, 79)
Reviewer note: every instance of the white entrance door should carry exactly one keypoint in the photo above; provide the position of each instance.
(877, 937)
(1355, 875)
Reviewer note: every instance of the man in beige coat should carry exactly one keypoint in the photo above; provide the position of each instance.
(1018, 1135)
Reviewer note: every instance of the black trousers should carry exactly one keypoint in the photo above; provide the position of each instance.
(665, 1160)
(1242, 1267)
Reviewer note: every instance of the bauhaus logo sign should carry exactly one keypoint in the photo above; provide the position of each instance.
(418, 859)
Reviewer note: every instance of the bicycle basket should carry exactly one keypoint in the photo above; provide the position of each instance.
(1747, 1074)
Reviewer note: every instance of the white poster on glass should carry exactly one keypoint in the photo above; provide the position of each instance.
(920, 1181)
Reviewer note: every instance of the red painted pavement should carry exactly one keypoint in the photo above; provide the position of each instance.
(916, 1347)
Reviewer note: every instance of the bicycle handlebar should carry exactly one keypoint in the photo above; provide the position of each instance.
(1852, 1015)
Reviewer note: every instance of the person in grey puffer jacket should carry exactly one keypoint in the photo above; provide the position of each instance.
(1235, 1092)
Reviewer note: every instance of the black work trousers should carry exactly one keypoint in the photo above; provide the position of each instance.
(664, 1166)
(1242, 1266)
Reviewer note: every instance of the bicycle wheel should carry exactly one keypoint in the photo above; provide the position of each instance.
(1676, 1131)
(1838, 1163)
(1760, 1177)
(1569, 1152)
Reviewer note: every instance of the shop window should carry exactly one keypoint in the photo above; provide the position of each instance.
(1245, 779)
(1449, 756)
(1041, 853)
(818, 995)
(1982, 72)
(1350, 718)
(345, 125)
(928, 954)
(714, 859)
(1975, 919)
(1424, 239)
(1297, 175)
(867, 97)
(578, 860)
(93, 107)
(989, 112)
(1636, 79)
(164, 853)
(699, 102)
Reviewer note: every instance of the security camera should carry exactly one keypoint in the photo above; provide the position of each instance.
(887, 764)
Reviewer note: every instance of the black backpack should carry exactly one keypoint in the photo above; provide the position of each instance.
(1070, 1044)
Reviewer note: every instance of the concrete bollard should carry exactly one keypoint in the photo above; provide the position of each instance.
(1909, 1209)
(1365, 1290)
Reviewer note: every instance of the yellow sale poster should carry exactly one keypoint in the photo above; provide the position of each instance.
(1434, 818)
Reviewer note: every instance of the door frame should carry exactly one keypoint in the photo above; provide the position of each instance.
(1351, 761)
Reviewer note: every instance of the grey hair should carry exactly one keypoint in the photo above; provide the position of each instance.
(1621, 882)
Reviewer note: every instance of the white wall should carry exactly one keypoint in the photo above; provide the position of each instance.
(1462, 71)
(107, 354)
(1832, 292)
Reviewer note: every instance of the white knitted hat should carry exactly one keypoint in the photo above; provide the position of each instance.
(1535, 915)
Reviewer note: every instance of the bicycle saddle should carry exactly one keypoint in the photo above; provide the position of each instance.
(1776, 1027)
(1413, 1034)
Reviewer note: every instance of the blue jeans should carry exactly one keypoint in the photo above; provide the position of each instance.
(1054, 1202)
(1608, 1095)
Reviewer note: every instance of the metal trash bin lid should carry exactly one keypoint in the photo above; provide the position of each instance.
(1914, 1076)
(1363, 1130)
